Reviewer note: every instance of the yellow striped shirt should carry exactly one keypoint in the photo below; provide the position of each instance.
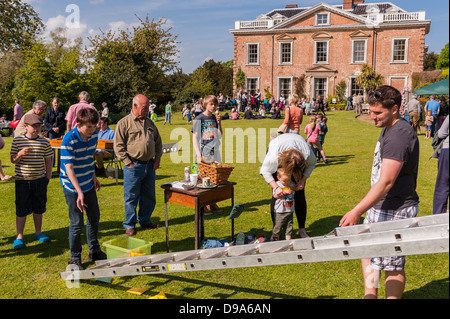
(31, 166)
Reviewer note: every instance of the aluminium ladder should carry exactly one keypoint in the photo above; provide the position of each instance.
(414, 236)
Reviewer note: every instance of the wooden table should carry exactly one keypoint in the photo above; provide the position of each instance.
(115, 160)
(196, 198)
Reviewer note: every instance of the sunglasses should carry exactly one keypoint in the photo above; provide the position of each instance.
(376, 94)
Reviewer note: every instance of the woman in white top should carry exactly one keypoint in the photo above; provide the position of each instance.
(291, 152)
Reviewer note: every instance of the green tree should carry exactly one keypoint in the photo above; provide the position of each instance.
(132, 62)
(221, 76)
(369, 79)
(429, 61)
(51, 69)
(10, 64)
(442, 61)
(239, 79)
(34, 80)
(340, 91)
(19, 24)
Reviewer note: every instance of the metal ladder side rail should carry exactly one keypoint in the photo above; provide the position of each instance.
(393, 237)
(394, 224)
(271, 247)
(428, 246)
(393, 248)
(209, 253)
(296, 243)
(398, 235)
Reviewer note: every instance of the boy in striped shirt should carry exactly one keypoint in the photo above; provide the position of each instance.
(32, 155)
(77, 175)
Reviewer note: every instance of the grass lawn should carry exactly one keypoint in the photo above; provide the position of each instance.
(332, 190)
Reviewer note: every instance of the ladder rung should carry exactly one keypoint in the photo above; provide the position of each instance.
(286, 247)
(188, 257)
(216, 255)
(141, 262)
(247, 252)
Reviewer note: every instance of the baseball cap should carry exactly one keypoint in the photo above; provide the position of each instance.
(32, 119)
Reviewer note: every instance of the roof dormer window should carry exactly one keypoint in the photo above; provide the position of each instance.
(323, 18)
(278, 18)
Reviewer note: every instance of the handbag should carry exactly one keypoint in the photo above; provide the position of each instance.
(14, 124)
(284, 127)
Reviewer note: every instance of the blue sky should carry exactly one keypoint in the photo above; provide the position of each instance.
(203, 26)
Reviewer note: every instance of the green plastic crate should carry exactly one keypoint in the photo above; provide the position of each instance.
(126, 246)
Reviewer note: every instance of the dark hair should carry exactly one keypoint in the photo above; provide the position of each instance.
(104, 119)
(387, 95)
(87, 116)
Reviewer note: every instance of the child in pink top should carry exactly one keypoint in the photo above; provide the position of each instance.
(312, 136)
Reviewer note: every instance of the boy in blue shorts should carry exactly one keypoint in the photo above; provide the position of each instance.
(32, 155)
(80, 184)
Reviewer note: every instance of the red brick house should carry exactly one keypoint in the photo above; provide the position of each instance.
(326, 44)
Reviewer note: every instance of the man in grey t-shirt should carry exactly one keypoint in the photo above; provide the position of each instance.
(393, 190)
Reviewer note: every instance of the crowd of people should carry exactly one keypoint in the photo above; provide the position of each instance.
(289, 162)
(137, 144)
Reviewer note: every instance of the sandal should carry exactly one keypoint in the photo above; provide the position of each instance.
(18, 244)
(6, 178)
(302, 234)
(41, 237)
(216, 208)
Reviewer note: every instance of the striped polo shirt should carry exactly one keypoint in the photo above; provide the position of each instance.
(76, 151)
(31, 166)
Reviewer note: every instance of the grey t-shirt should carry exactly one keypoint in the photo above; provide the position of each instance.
(286, 204)
(208, 135)
(399, 143)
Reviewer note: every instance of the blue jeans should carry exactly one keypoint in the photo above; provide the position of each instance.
(138, 189)
(76, 223)
(168, 117)
(433, 125)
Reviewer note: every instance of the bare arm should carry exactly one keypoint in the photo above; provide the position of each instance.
(389, 171)
(48, 167)
(17, 157)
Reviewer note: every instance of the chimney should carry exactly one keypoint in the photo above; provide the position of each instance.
(291, 6)
(349, 4)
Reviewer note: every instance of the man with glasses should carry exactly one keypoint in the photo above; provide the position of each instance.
(392, 194)
(39, 108)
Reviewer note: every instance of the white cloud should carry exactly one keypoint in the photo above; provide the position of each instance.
(94, 2)
(60, 22)
(117, 25)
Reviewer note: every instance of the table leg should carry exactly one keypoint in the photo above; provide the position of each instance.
(166, 222)
(197, 214)
(202, 224)
(232, 221)
(59, 161)
(116, 169)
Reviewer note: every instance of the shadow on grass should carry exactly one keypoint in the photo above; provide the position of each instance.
(59, 242)
(335, 160)
(325, 225)
(154, 287)
(437, 289)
